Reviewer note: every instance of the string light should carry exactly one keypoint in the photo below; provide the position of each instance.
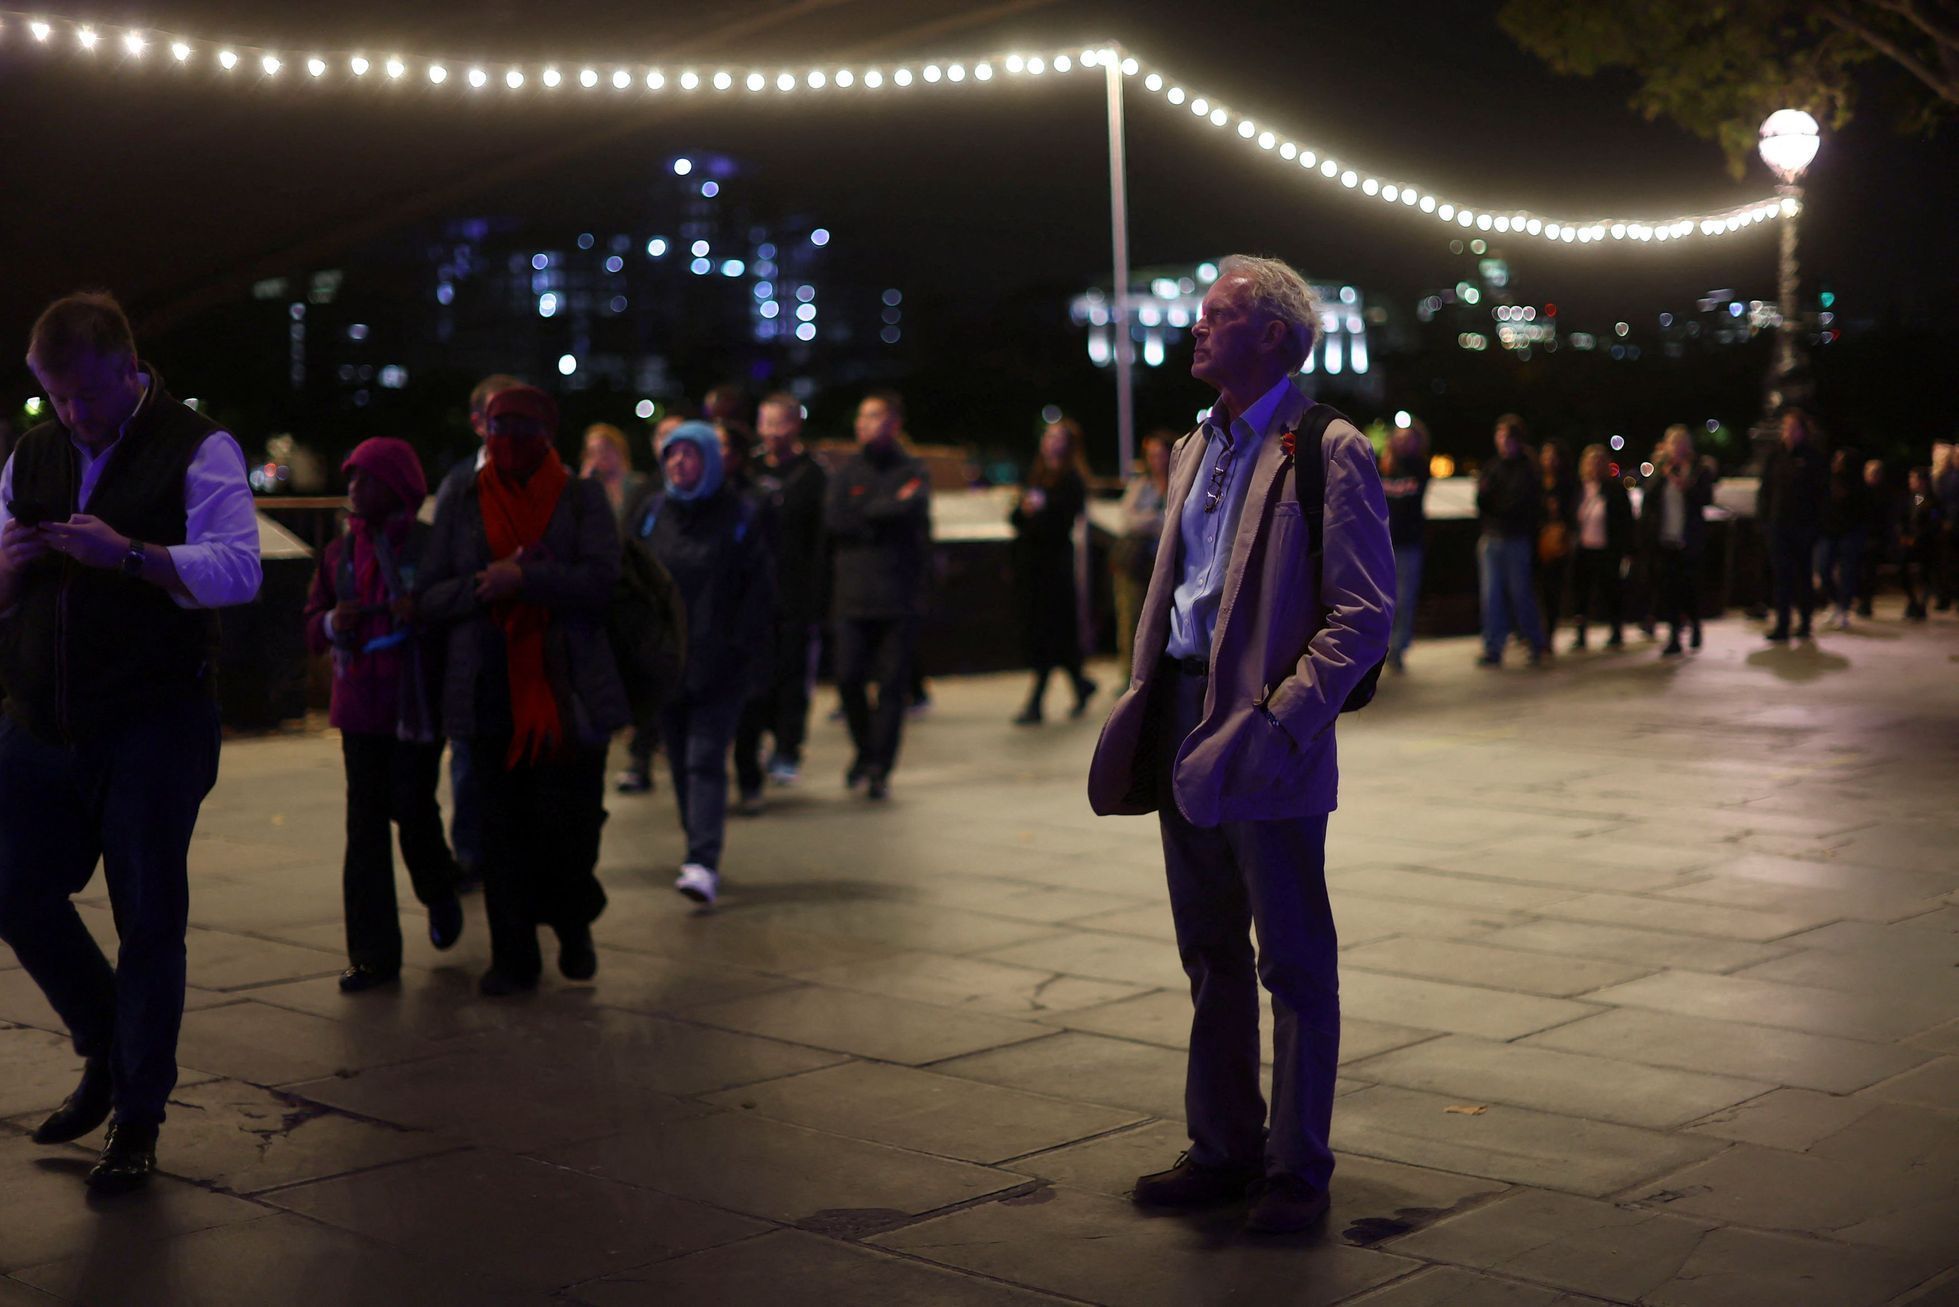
(1154, 82)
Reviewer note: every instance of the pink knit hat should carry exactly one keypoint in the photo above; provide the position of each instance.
(395, 464)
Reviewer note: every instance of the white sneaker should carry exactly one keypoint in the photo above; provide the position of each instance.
(784, 772)
(697, 882)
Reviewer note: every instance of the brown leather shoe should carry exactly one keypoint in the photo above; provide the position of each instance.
(1192, 1184)
(1285, 1205)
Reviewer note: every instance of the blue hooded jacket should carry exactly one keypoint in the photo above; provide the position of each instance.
(702, 437)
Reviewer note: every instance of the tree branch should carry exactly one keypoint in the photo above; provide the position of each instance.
(1910, 12)
(1945, 90)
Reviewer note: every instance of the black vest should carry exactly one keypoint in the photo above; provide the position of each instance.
(88, 647)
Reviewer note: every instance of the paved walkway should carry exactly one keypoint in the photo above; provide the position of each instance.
(1649, 980)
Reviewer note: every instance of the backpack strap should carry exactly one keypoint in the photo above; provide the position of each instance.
(1309, 470)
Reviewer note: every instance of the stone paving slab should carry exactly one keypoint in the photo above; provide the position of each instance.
(1105, 1250)
(1677, 941)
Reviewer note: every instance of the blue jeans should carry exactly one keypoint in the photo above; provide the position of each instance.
(1407, 592)
(128, 797)
(1509, 592)
(697, 733)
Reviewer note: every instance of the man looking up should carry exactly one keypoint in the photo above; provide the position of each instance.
(125, 520)
(1253, 635)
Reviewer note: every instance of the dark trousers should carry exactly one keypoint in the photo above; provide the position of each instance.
(128, 798)
(781, 710)
(390, 783)
(1790, 560)
(541, 825)
(465, 809)
(875, 649)
(1225, 882)
(1597, 593)
(1552, 577)
(1679, 599)
(1839, 561)
(696, 732)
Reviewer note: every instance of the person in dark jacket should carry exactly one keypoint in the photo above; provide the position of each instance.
(1602, 536)
(1883, 519)
(879, 518)
(1918, 542)
(1554, 546)
(1789, 507)
(1673, 529)
(1053, 500)
(520, 572)
(790, 484)
(362, 610)
(1404, 480)
(125, 519)
(1843, 535)
(710, 539)
(1945, 489)
(1510, 502)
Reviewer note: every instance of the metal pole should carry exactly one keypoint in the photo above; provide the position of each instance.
(1119, 300)
(1789, 381)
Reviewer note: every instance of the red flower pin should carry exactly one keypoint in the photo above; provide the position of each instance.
(1287, 443)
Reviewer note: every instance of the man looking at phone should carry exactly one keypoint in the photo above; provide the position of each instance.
(123, 522)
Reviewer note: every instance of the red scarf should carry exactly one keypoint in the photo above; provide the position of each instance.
(514, 517)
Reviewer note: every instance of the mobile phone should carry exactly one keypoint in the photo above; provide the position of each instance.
(29, 513)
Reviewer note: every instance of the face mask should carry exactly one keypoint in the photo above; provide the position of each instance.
(518, 455)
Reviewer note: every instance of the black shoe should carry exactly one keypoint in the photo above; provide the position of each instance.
(1084, 691)
(1672, 650)
(359, 979)
(1285, 1205)
(1694, 641)
(1780, 635)
(83, 1110)
(446, 922)
(1029, 716)
(877, 788)
(577, 960)
(1191, 1184)
(1617, 641)
(1578, 641)
(857, 775)
(1865, 610)
(1489, 660)
(501, 984)
(128, 1159)
(1802, 632)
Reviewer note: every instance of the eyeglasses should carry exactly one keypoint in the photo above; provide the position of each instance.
(1220, 474)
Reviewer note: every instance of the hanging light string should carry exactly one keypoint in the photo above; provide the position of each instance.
(135, 47)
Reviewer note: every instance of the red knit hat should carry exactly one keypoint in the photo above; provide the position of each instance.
(528, 401)
(395, 464)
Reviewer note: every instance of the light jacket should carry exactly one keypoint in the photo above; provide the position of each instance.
(1294, 636)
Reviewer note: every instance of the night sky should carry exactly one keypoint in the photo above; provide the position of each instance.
(174, 191)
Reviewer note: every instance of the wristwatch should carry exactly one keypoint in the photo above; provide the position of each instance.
(132, 562)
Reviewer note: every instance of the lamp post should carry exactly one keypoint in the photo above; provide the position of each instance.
(1789, 142)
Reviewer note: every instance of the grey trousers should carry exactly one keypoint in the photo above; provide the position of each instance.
(1225, 882)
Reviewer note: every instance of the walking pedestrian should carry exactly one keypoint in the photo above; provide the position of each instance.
(521, 569)
(1404, 480)
(1918, 543)
(1510, 502)
(709, 538)
(1050, 504)
(790, 485)
(1133, 555)
(124, 521)
(1674, 529)
(1275, 608)
(1554, 536)
(1884, 509)
(1604, 542)
(878, 516)
(465, 807)
(608, 460)
(361, 609)
(1789, 508)
(1841, 536)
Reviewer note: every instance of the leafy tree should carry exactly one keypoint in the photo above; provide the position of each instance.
(1718, 67)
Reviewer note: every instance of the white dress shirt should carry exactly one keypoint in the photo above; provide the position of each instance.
(218, 563)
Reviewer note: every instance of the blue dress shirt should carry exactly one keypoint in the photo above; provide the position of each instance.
(1206, 538)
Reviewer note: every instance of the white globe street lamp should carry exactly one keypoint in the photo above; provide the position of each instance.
(1790, 139)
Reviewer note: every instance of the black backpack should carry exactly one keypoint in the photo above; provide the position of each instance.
(1309, 473)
